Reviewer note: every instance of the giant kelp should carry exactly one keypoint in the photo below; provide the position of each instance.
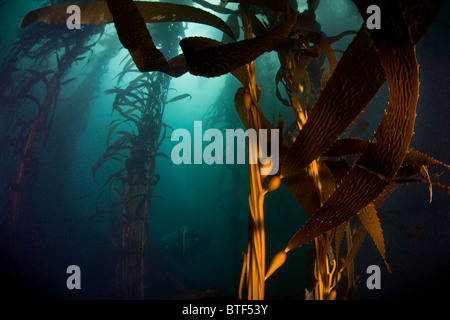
(26, 134)
(147, 57)
(140, 106)
(133, 141)
(339, 196)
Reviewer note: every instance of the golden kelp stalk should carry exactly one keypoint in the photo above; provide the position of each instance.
(253, 268)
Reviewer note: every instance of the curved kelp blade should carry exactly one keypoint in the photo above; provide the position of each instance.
(357, 78)
(211, 58)
(134, 35)
(216, 8)
(381, 160)
(276, 5)
(324, 45)
(97, 12)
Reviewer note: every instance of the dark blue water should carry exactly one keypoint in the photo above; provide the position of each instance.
(58, 199)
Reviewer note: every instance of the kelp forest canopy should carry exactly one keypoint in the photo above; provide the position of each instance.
(331, 181)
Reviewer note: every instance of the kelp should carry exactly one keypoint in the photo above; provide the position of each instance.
(277, 5)
(39, 128)
(375, 168)
(98, 12)
(133, 140)
(216, 8)
(146, 56)
(368, 178)
(253, 267)
(359, 75)
(221, 59)
(305, 195)
(339, 184)
(180, 97)
(210, 58)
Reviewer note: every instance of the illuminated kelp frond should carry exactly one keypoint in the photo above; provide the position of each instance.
(382, 159)
(414, 163)
(358, 77)
(411, 163)
(97, 12)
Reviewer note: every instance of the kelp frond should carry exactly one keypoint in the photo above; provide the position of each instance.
(97, 12)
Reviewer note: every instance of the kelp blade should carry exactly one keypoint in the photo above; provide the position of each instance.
(358, 77)
(211, 58)
(97, 12)
(134, 35)
(276, 5)
(381, 160)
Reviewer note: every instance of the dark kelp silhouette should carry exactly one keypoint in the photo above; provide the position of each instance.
(230, 203)
(140, 106)
(133, 140)
(381, 160)
(147, 57)
(339, 195)
(27, 135)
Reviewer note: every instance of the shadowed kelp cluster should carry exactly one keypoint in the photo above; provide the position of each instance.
(140, 106)
(28, 131)
(339, 182)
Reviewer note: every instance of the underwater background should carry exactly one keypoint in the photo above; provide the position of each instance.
(197, 222)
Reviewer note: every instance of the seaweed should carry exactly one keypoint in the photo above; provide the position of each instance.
(339, 182)
(133, 141)
(28, 134)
